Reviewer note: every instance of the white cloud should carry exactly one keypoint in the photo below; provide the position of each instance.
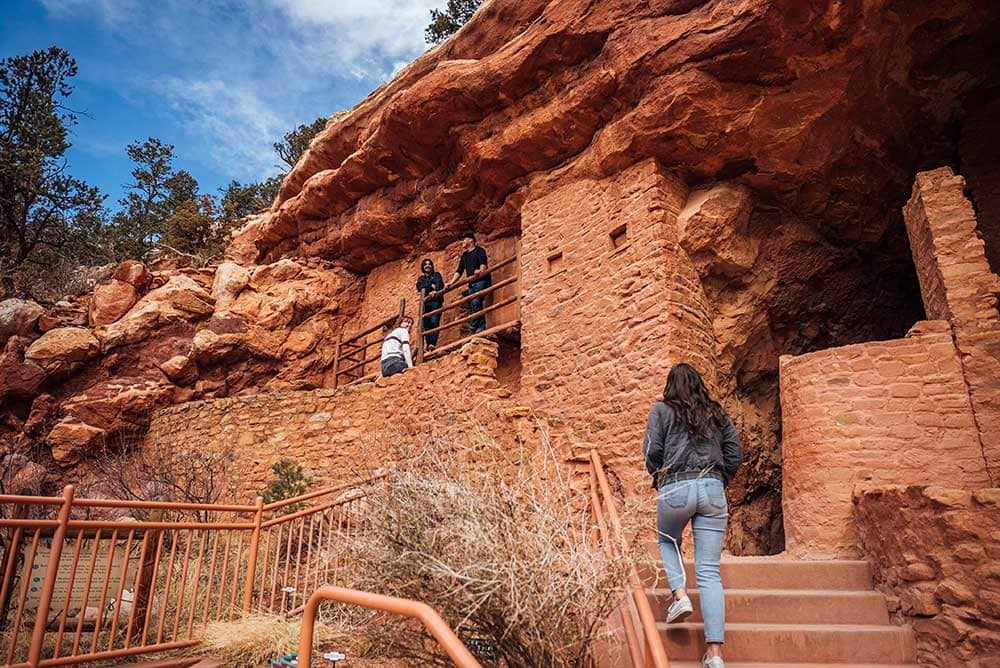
(236, 74)
(387, 29)
(238, 125)
(110, 11)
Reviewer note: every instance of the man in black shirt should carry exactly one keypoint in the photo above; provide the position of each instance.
(430, 285)
(474, 265)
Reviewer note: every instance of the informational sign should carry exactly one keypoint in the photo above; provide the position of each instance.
(105, 568)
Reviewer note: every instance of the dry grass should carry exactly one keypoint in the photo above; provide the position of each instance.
(253, 641)
(506, 562)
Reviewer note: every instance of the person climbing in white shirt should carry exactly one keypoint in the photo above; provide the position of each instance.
(396, 355)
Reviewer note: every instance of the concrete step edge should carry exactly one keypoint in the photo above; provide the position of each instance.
(785, 593)
(802, 628)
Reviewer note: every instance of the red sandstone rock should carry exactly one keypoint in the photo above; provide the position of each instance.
(18, 317)
(19, 378)
(63, 349)
(64, 314)
(134, 273)
(120, 404)
(951, 606)
(43, 411)
(230, 279)
(21, 475)
(180, 298)
(110, 301)
(180, 369)
(71, 439)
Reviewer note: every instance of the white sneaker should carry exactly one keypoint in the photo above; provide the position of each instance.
(714, 662)
(680, 609)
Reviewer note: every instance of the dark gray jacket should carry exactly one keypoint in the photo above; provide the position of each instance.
(670, 450)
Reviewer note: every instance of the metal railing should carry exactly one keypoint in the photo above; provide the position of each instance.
(432, 621)
(636, 612)
(500, 284)
(351, 358)
(129, 587)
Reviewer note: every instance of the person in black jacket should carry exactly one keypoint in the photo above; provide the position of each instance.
(430, 285)
(473, 264)
(692, 451)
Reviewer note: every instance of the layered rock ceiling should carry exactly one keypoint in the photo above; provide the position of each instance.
(797, 126)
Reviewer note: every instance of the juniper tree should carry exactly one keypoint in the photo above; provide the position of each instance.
(42, 206)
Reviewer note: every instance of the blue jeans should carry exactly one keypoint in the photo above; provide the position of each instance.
(703, 502)
(476, 305)
(432, 321)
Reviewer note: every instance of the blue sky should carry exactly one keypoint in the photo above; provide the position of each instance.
(219, 79)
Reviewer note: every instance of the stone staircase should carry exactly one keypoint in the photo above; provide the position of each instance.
(782, 613)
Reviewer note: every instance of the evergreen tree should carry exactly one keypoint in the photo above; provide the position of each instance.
(295, 142)
(240, 200)
(155, 194)
(445, 24)
(42, 208)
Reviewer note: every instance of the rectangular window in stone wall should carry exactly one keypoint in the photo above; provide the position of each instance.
(619, 237)
(555, 262)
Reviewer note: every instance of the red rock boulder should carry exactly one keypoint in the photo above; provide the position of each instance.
(110, 301)
(18, 317)
(19, 379)
(63, 350)
(71, 439)
(134, 273)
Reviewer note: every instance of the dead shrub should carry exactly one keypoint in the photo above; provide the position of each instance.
(506, 562)
(251, 642)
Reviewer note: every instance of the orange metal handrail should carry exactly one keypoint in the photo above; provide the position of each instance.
(514, 280)
(346, 349)
(432, 621)
(653, 645)
(237, 566)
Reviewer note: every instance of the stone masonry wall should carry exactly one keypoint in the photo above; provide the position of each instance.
(607, 308)
(936, 552)
(871, 414)
(958, 286)
(454, 402)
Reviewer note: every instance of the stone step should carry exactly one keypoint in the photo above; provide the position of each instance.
(773, 573)
(744, 664)
(796, 643)
(787, 606)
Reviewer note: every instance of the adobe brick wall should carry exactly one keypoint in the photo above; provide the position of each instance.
(871, 414)
(958, 286)
(341, 434)
(602, 325)
(935, 551)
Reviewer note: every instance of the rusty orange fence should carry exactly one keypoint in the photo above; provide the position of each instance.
(642, 639)
(76, 588)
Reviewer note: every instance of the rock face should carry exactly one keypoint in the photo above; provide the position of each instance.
(949, 590)
(63, 349)
(793, 131)
(157, 338)
(815, 107)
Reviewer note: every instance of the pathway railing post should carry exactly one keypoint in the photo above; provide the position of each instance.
(336, 361)
(49, 585)
(420, 329)
(258, 517)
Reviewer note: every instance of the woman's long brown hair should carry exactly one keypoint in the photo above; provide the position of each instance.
(686, 393)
